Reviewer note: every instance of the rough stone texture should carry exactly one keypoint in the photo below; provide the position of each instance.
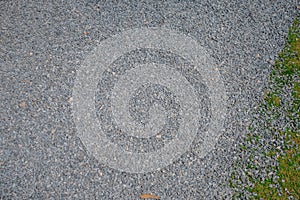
(44, 43)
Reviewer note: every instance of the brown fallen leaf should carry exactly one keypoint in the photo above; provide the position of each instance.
(149, 196)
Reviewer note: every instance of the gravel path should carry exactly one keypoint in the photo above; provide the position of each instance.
(57, 107)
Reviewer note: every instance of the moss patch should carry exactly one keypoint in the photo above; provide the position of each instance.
(286, 75)
(279, 122)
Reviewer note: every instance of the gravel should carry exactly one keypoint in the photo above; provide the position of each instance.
(43, 44)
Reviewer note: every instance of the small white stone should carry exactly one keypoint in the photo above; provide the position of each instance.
(158, 136)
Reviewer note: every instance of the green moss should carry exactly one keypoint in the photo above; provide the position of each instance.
(271, 153)
(272, 99)
(289, 181)
(284, 77)
(265, 190)
(243, 147)
(289, 172)
(286, 72)
(296, 91)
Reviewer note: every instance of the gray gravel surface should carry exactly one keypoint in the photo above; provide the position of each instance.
(43, 44)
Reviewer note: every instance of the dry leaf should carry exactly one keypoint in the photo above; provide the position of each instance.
(149, 196)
